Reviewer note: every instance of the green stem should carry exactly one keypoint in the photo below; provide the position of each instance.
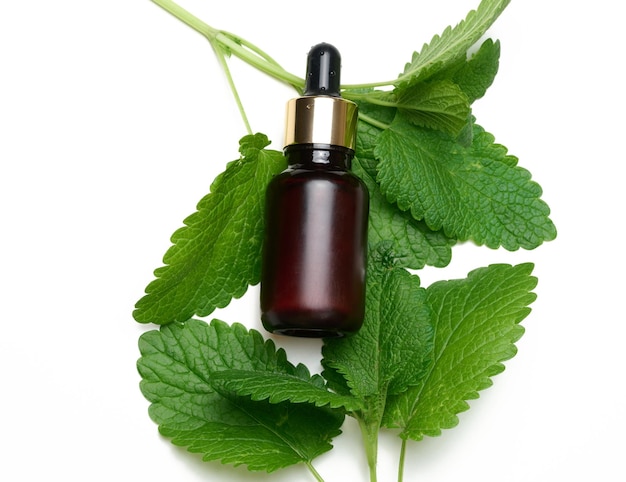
(372, 121)
(226, 42)
(369, 85)
(369, 432)
(315, 473)
(250, 46)
(401, 462)
(376, 97)
(253, 58)
(222, 59)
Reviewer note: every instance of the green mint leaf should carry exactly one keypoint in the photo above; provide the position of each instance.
(177, 366)
(217, 255)
(453, 43)
(414, 245)
(476, 74)
(439, 105)
(281, 387)
(392, 350)
(472, 193)
(476, 322)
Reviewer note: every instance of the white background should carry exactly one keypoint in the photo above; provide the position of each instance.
(115, 118)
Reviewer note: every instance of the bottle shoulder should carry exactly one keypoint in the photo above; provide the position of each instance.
(341, 179)
(302, 173)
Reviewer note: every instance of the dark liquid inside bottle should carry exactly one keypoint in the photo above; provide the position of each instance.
(313, 276)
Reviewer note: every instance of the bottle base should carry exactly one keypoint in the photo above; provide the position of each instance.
(308, 333)
(310, 324)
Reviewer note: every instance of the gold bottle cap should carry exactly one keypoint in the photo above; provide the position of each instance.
(321, 120)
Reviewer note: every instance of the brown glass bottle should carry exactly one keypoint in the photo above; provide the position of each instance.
(316, 214)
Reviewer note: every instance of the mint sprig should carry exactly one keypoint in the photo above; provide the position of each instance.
(422, 353)
(435, 178)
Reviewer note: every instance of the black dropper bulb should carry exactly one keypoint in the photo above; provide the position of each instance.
(323, 71)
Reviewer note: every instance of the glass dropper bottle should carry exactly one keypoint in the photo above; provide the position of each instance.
(315, 247)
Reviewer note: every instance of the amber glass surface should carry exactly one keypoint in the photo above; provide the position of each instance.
(313, 276)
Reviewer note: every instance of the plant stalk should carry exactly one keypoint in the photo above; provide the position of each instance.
(369, 432)
(372, 121)
(222, 59)
(226, 42)
(245, 50)
(252, 57)
(401, 461)
(315, 473)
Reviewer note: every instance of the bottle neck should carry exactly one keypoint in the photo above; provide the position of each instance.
(319, 156)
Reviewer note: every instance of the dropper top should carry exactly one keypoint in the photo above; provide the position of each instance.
(321, 115)
(323, 71)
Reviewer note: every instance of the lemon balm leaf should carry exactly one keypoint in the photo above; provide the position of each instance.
(413, 244)
(476, 192)
(281, 387)
(178, 364)
(453, 44)
(217, 254)
(476, 323)
(475, 74)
